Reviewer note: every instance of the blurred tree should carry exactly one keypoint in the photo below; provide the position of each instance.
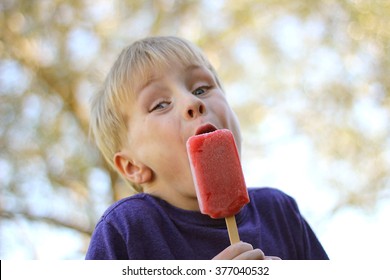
(321, 65)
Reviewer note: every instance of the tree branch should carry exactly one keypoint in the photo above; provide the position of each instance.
(4, 214)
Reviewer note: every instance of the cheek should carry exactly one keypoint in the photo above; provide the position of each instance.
(235, 128)
(159, 137)
(230, 121)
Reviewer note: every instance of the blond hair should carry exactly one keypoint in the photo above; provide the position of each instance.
(132, 69)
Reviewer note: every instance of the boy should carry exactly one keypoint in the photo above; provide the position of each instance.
(161, 91)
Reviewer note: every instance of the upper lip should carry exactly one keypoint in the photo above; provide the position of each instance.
(206, 128)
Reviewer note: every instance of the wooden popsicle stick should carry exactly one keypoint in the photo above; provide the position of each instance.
(232, 229)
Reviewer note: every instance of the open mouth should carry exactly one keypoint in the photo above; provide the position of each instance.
(207, 128)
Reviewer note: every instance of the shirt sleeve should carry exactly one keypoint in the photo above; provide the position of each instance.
(106, 244)
(311, 246)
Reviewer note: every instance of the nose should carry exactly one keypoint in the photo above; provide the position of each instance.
(194, 108)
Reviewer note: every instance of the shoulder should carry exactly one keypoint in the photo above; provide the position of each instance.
(270, 205)
(270, 195)
(121, 225)
(271, 198)
(132, 209)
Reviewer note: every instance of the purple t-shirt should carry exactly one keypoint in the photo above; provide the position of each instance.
(146, 227)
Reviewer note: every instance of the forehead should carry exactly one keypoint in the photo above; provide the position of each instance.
(188, 73)
(144, 61)
(152, 70)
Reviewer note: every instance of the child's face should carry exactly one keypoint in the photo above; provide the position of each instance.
(176, 104)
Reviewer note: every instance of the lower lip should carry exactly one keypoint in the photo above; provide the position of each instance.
(206, 129)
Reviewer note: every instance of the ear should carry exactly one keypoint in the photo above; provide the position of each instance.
(137, 173)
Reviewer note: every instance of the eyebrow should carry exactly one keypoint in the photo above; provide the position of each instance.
(193, 67)
(146, 83)
(153, 78)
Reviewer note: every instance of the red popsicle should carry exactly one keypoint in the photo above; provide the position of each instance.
(218, 176)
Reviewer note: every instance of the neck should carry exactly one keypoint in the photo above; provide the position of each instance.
(183, 197)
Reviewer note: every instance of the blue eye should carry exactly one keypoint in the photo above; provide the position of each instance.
(161, 105)
(201, 90)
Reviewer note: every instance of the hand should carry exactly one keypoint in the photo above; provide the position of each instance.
(243, 251)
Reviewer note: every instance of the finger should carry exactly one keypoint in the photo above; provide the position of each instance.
(272, 258)
(233, 251)
(255, 254)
